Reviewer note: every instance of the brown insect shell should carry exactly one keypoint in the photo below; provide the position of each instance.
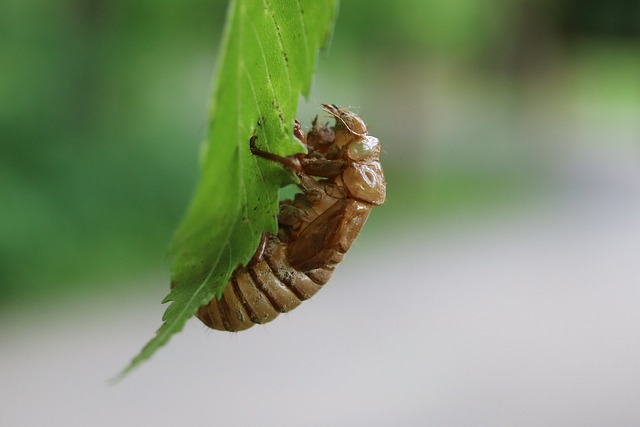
(316, 229)
(341, 203)
(363, 176)
(324, 241)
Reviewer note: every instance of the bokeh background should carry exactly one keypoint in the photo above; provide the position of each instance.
(499, 285)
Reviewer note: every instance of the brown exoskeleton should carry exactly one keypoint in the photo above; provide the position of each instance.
(341, 180)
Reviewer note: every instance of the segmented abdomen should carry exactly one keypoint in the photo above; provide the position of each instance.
(258, 293)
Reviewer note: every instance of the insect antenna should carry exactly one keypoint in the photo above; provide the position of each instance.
(335, 112)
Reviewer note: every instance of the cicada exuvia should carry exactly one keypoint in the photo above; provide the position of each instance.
(340, 181)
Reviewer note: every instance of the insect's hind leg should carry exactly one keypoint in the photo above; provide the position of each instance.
(262, 246)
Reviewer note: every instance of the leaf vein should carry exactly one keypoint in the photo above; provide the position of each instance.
(307, 57)
(285, 58)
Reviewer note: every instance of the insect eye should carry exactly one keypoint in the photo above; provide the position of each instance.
(364, 149)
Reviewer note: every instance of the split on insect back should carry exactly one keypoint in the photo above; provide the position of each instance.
(340, 181)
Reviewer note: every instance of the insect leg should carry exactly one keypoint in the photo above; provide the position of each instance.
(298, 132)
(322, 167)
(257, 256)
(288, 162)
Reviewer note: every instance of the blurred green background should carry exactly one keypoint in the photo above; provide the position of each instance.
(103, 105)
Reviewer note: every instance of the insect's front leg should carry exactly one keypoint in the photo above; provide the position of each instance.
(289, 162)
(302, 164)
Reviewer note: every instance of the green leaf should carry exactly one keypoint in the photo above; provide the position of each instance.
(267, 60)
